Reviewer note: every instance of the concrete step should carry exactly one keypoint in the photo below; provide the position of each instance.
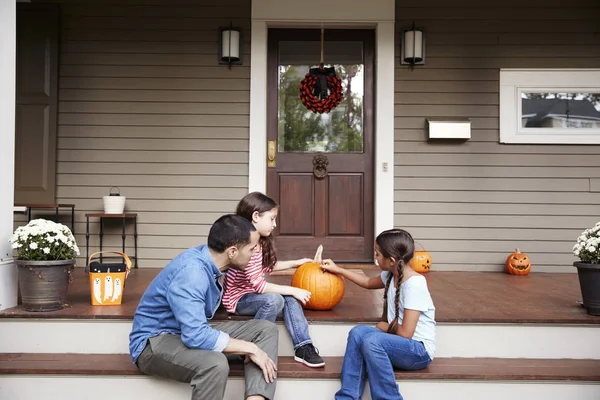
(97, 377)
(453, 339)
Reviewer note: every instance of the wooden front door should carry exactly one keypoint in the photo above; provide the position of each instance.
(320, 167)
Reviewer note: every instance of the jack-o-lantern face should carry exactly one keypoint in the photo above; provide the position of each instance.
(421, 261)
(518, 263)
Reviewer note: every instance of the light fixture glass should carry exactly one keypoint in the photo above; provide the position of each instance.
(230, 46)
(413, 47)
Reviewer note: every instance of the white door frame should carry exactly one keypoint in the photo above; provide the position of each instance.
(8, 51)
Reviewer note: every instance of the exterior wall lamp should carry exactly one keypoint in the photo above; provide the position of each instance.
(230, 46)
(413, 47)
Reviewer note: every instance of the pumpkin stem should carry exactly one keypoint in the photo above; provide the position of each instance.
(319, 254)
(517, 251)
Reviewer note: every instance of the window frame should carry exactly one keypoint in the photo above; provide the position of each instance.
(514, 82)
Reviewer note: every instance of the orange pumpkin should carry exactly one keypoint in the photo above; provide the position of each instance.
(421, 261)
(326, 289)
(518, 263)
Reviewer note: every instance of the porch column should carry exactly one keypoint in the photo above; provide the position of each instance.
(8, 278)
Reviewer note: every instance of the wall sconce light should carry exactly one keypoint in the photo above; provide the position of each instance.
(413, 47)
(230, 46)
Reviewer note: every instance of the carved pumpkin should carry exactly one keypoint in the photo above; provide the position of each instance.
(518, 263)
(326, 289)
(421, 261)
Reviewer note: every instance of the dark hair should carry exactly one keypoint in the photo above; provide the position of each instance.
(399, 245)
(261, 203)
(229, 230)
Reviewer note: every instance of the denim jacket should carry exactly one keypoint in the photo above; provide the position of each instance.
(181, 300)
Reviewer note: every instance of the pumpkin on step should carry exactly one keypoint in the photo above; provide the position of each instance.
(518, 263)
(326, 289)
(421, 261)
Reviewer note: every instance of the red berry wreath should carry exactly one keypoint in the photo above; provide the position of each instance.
(321, 90)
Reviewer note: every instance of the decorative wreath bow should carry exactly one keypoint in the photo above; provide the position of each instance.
(321, 90)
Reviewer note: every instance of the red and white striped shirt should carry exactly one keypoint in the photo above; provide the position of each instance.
(251, 280)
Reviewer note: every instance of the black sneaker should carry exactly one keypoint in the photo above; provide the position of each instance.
(309, 355)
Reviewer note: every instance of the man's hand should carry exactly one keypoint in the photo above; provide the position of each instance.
(268, 366)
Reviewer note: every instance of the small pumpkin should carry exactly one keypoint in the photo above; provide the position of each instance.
(518, 263)
(421, 261)
(327, 289)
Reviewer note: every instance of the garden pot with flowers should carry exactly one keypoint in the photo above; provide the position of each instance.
(587, 249)
(46, 253)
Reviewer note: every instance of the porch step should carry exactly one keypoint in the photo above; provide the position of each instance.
(58, 376)
(503, 369)
(453, 339)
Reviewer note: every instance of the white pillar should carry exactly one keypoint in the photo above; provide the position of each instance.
(384, 121)
(257, 162)
(8, 278)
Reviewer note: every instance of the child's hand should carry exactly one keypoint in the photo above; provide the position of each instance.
(330, 266)
(303, 296)
(383, 326)
(303, 261)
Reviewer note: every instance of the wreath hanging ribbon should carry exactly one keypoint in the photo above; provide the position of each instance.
(321, 89)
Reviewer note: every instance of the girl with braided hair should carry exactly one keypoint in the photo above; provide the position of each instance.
(405, 336)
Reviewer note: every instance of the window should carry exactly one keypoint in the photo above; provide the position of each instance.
(550, 106)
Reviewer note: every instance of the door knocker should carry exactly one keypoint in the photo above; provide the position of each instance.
(320, 163)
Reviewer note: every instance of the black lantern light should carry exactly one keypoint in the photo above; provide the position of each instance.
(230, 46)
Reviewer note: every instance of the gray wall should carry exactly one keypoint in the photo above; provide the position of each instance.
(471, 203)
(143, 105)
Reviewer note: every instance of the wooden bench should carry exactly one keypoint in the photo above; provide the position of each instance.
(493, 369)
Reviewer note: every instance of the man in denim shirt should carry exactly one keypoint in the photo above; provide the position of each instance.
(171, 336)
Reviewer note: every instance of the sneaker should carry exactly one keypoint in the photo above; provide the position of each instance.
(309, 355)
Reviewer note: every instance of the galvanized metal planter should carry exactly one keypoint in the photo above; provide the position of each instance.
(44, 284)
(589, 281)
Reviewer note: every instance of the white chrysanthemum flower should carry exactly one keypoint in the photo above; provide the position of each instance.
(33, 245)
(46, 250)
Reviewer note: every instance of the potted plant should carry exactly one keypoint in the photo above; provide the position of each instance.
(45, 258)
(587, 249)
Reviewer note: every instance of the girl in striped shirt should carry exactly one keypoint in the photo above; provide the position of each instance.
(248, 293)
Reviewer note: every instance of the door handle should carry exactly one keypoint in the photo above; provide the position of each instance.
(271, 153)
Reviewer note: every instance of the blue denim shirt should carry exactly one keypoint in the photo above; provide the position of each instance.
(181, 300)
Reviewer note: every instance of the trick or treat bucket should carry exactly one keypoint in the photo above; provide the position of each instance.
(114, 203)
(107, 280)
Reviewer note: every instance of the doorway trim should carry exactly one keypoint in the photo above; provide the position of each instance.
(378, 14)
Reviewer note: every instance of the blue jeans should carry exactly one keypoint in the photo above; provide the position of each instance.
(269, 305)
(374, 353)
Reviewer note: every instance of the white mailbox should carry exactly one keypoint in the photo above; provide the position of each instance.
(449, 128)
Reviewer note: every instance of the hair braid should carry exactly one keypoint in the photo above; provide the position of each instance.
(385, 304)
(394, 324)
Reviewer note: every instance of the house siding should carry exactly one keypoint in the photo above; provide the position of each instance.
(144, 105)
(470, 204)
